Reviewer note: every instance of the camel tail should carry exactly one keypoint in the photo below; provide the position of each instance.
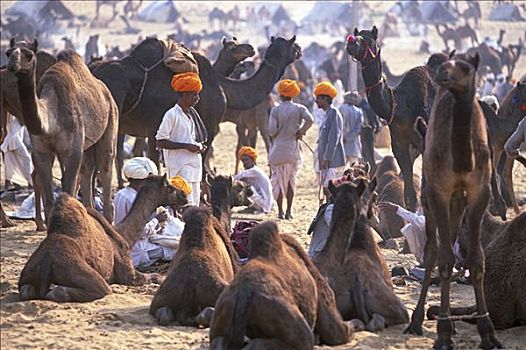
(238, 328)
(44, 278)
(461, 148)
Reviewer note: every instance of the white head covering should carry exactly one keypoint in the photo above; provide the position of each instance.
(139, 168)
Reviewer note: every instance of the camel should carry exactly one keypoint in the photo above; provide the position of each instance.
(504, 279)
(100, 3)
(354, 265)
(510, 55)
(68, 44)
(231, 53)
(488, 57)
(92, 48)
(225, 193)
(279, 300)
(392, 79)
(449, 34)
(70, 112)
(83, 253)
(131, 10)
(219, 15)
(457, 170)
(204, 265)
(5, 221)
(400, 106)
(466, 32)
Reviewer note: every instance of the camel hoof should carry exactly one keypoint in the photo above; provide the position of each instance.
(205, 317)
(164, 316)
(376, 324)
(444, 345)
(432, 312)
(58, 294)
(490, 343)
(357, 325)
(27, 292)
(414, 329)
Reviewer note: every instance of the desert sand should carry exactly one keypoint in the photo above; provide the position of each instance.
(121, 320)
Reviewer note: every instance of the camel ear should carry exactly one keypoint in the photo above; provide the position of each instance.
(474, 60)
(451, 54)
(356, 31)
(12, 42)
(34, 46)
(367, 168)
(223, 41)
(272, 39)
(375, 32)
(165, 178)
(292, 40)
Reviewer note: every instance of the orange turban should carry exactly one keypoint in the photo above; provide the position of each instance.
(187, 82)
(180, 183)
(288, 88)
(325, 88)
(247, 151)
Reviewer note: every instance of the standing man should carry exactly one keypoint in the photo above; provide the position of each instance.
(352, 125)
(182, 134)
(331, 154)
(288, 123)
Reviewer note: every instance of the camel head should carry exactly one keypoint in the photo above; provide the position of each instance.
(434, 61)
(282, 52)
(362, 45)
(458, 73)
(243, 67)
(347, 200)
(21, 56)
(237, 52)
(168, 194)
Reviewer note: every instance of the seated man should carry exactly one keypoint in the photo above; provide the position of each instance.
(259, 182)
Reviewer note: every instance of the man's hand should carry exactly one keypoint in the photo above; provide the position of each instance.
(388, 206)
(203, 148)
(299, 135)
(162, 216)
(325, 164)
(193, 148)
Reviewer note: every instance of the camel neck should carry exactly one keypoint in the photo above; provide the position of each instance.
(220, 201)
(29, 103)
(248, 93)
(131, 228)
(461, 131)
(223, 65)
(379, 95)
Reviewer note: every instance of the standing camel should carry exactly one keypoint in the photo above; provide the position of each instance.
(70, 112)
(400, 106)
(457, 171)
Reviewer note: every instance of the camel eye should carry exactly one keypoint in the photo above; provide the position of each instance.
(9, 52)
(28, 54)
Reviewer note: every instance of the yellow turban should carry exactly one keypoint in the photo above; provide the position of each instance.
(288, 88)
(180, 183)
(325, 88)
(187, 82)
(247, 151)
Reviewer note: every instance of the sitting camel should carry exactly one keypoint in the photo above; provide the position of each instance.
(279, 299)
(83, 253)
(505, 277)
(354, 265)
(69, 113)
(204, 265)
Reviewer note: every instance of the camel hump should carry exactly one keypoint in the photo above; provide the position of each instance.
(264, 240)
(196, 216)
(69, 56)
(67, 213)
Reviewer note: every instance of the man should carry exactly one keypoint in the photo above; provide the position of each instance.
(17, 161)
(514, 142)
(288, 123)
(331, 154)
(182, 134)
(259, 182)
(352, 116)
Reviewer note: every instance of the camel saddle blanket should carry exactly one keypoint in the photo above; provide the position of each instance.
(240, 235)
(178, 57)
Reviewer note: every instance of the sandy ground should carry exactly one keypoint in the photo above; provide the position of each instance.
(121, 320)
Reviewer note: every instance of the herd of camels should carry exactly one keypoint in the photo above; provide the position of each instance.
(280, 299)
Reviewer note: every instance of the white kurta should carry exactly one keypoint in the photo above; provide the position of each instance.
(17, 161)
(414, 232)
(261, 186)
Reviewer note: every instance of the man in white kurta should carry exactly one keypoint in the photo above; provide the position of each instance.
(288, 123)
(181, 135)
(259, 182)
(17, 161)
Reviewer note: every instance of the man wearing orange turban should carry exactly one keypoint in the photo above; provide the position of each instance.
(259, 182)
(182, 134)
(331, 153)
(288, 123)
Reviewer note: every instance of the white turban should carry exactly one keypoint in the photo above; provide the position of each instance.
(139, 168)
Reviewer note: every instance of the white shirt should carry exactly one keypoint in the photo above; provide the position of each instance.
(260, 181)
(176, 126)
(14, 138)
(123, 202)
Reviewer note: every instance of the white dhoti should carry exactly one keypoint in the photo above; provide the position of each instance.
(195, 197)
(18, 166)
(327, 175)
(283, 176)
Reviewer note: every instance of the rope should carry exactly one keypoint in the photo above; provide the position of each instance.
(309, 147)
(461, 317)
(145, 70)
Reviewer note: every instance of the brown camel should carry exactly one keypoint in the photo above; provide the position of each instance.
(82, 253)
(354, 265)
(70, 112)
(449, 34)
(400, 106)
(278, 300)
(457, 170)
(488, 57)
(505, 276)
(466, 32)
(232, 52)
(510, 55)
(204, 265)
(225, 193)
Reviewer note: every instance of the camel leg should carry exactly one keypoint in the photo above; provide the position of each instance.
(507, 175)
(119, 160)
(71, 167)
(105, 155)
(430, 257)
(153, 153)
(43, 163)
(138, 147)
(124, 273)
(5, 221)
(474, 261)
(37, 186)
(86, 175)
(401, 153)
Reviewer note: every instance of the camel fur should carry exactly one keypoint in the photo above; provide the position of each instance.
(277, 307)
(204, 265)
(83, 253)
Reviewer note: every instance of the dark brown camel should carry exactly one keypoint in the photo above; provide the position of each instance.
(69, 113)
(457, 170)
(82, 253)
(204, 265)
(278, 300)
(505, 276)
(400, 106)
(225, 193)
(231, 54)
(510, 55)
(354, 265)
